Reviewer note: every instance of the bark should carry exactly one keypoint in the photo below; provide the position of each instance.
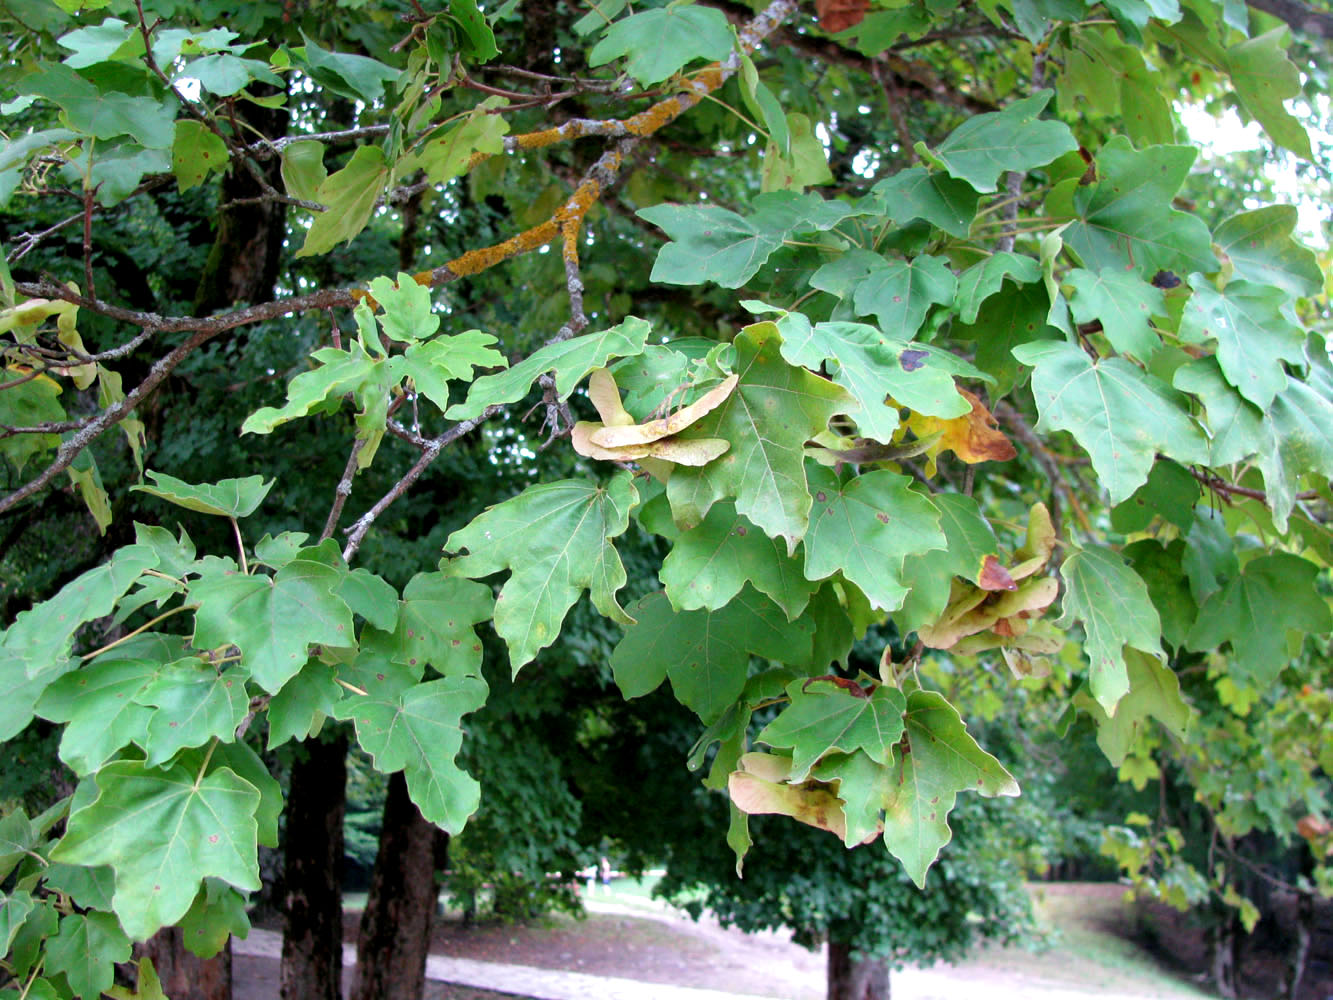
(394, 937)
(1300, 945)
(1224, 942)
(855, 978)
(184, 975)
(312, 900)
(247, 251)
(1298, 16)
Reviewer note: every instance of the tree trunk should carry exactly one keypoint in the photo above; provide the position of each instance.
(394, 937)
(851, 978)
(1223, 945)
(1299, 952)
(312, 898)
(184, 975)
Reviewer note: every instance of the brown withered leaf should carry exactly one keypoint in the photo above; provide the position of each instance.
(839, 15)
(994, 576)
(973, 437)
(760, 787)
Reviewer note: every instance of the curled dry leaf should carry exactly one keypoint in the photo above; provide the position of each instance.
(759, 787)
(698, 451)
(654, 430)
(605, 396)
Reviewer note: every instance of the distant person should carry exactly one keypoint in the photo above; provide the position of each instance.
(604, 867)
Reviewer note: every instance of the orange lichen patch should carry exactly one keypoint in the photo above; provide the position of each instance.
(476, 261)
(570, 243)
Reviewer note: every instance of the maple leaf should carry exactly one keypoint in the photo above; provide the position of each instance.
(973, 437)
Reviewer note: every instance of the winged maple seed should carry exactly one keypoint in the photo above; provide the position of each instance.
(617, 438)
(998, 610)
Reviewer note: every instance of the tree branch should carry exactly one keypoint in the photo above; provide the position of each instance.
(1298, 16)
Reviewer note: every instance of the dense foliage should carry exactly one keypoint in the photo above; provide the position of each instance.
(933, 343)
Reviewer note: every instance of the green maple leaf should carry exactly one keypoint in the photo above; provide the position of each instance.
(1125, 219)
(1293, 441)
(874, 367)
(163, 831)
(860, 787)
(943, 760)
(370, 596)
(1272, 596)
(709, 564)
(898, 292)
(824, 717)
(929, 575)
(1253, 336)
(217, 913)
(349, 195)
(194, 704)
(432, 365)
(571, 361)
(1259, 245)
(417, 730)
(658, 43)
(355, 77)
(86, 951)
(1154, 691)
(1121, 416)
(980, 281)
(87, 109)
(555, 539)
(709, 243)
(916, 193)
(1112, 601)
(299, 708)
(39, 639)
(1123, 303)
(98, 702)
(1005, 320)
(988, 145)
(196, 152)
(448, 156)
(774, 410)
(1161, 569)
(435, 624)
(705, 653)
(1264, 78)
(226, 498)
(339, 372)
(405, 308)
(865, 526)
(274, 619)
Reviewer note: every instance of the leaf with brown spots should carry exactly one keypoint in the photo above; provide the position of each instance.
(760, 787)
(839, 15)
(973, 437)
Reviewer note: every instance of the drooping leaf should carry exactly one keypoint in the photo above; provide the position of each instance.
(1120, 415)
(356, 77)
(303, 169)
(217, 913)
(1253, 336)
(570, 361)
(1112, 602)
(555, 539)
(448, 156)
(709, 564)
(658, 43)
(300, 706)
(988, 145)
(225, 498)
(805, 164)
(274, 619)
(943, 760)
(825, 716)
(163, 832)
(1273, 595)
(196, 153)
(775, 409)
(706, 653)
(709, 243)
(1154, 691)
(1264, 78)
(759, 786)
(349, 195)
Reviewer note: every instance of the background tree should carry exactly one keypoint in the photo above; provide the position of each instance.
(887, 229)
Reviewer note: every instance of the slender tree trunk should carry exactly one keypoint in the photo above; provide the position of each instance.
(1299, 952)
(394, 937)
(852, 978)
(312, 898)
(184, 975)
(1223, 946)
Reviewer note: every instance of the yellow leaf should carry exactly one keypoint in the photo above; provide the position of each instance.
(758, 788)
(972, 437)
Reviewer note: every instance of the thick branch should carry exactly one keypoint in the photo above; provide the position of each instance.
(1298, 16)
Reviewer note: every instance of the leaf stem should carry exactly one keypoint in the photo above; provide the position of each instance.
(208, 757)
(130, 635)
(240, 544)
(717, 100)
(351, 687)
